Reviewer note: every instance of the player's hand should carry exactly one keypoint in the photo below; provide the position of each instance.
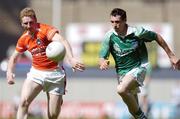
(104, 64)
(174, 62)
(77, 65)
(10, 78)
(177, 66)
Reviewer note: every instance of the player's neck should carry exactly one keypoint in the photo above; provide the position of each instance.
(31, 33)
(123, 31)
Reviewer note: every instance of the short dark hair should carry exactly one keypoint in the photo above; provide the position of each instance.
(120, 12)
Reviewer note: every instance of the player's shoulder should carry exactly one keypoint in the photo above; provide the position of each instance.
(23, 36)
(109, 33)
(44, 26)
(137, 30)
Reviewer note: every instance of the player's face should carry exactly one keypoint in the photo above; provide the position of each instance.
(117, 23)
(28, 23)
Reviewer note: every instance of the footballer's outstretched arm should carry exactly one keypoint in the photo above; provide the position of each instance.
(75, 63)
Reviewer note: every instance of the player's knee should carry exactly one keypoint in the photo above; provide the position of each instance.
(54, 114)
(121, 90)
(25, 104)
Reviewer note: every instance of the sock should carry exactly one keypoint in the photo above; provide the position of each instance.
(140, 114)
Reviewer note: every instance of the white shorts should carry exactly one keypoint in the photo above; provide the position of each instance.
(139, 74)
(53, 82)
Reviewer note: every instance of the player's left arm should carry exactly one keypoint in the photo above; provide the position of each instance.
(75, 63)
(167, 49)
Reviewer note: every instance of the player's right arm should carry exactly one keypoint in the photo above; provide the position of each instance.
(103, 64)
(104, 53)
(10, 68)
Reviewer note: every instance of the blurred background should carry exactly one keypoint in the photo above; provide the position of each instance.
(92, 94)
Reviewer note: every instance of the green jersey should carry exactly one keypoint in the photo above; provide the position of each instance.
(129, 51)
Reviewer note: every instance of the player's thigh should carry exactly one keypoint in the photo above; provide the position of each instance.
(30, 90)
(54, 103)
(129, 82)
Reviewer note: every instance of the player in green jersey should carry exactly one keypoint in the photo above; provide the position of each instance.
(127, 46)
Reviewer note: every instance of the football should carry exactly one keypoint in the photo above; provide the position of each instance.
(55, 51)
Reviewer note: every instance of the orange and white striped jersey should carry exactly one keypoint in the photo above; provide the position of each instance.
(36, 45)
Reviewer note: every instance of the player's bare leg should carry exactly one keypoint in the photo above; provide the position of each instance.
(54, 105)
(30, 90)
(128, 83)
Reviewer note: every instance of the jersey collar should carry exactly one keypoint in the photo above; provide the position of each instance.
(130, 30)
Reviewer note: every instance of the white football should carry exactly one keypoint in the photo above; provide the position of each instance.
(55, 51)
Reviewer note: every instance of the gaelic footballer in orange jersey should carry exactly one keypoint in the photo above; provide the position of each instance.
(36, 46)
(44, 75)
